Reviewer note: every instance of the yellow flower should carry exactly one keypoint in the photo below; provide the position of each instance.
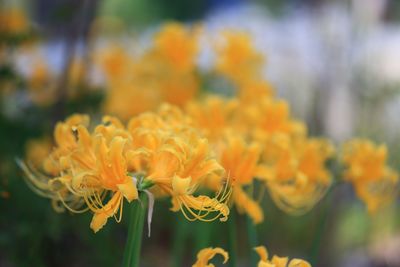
(165, 72)
(240, 161)
(177, 160)
(13, 21)
(37, 150)
(251, 91)
(41, 84)
(277, 261)
(115, 63)
(295, 172)
(111, 174)
(375, 183)
(65, 141)
(178, 46)
(97, 170)
(206, 254)
(52, 183)
(125, 99)
(237, 59)
(213, 115)
(272, 116)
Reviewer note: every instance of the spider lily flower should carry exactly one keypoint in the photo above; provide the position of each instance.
(177, 46)
(295, 172)
(216, 118)
(176, 160)
(375, 183)
(165, 72)
(99, 170)
(237, 59)
(250, 92)
(115, 63)
(277, 261)
(269, 117)
(206, 254)
(51, 182)
(111, 175)
(41, 83)
(37, 151)
(213, 115)
(240, 161)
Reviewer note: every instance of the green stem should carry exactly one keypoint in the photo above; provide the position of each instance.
(202, 235)
(326, 212)
(252, 239)
(135, 232)
(232, 238)
(179, 241)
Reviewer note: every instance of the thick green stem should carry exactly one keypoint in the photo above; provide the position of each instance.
(232, 238)
(202, 235)
(252, 239)
(135, 232)
(179, 241)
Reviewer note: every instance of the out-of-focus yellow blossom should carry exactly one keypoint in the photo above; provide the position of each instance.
(177, 46)
(13, 21)
(116, 63)
(277, 261)
(40, 84)
(237, 58)
(375, 183)
(295, 172)
(165, 72)
(159, 152)
(240, 161)
(37, 151)
(251, 91)
(213, 115)
(206, 254)
(270, 116)
(76, 77)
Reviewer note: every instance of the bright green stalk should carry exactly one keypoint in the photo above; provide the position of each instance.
(232, 238)
(252, 239)
(135, 232)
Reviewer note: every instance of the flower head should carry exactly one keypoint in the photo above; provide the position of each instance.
(276, 261)
(375, 183)
(237, 59)
(206, 254)
(178, 46)
(240, 161)
(295, 172)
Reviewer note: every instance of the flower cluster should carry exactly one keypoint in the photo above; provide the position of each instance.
(374, 182)
(206, 254)
(165, 72)
(256, 137)
(158, 153)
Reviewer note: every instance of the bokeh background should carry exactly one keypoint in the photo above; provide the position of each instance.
(336, 62)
